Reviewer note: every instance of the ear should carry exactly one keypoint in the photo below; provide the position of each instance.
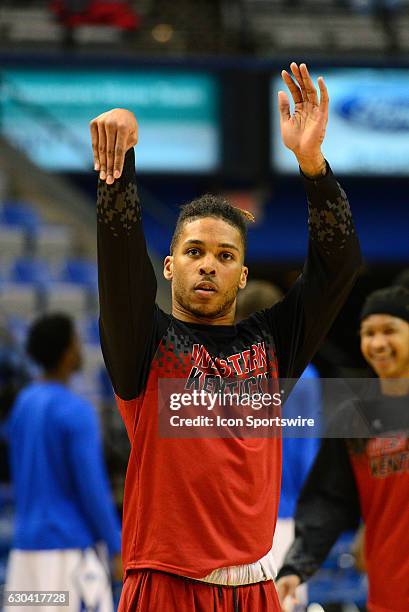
(168, 267)
(243, 277)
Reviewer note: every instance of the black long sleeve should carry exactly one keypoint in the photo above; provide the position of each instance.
(131, 324)
(127, 283)
(301, 321)
(327, 506)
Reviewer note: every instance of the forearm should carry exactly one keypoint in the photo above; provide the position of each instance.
(328, 505)
(331, 268)
(333, 261)
(330, 223)
(314, 538)
(127, 284)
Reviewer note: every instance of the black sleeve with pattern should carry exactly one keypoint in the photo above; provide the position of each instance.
(127, 285)
(327, 506)
(302, 319)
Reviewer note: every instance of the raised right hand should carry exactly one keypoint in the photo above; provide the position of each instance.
(303, 131)
(286, 587)
(112, 134)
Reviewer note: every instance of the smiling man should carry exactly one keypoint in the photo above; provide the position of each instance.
(366, 474)
(199, 514)
(385, 335)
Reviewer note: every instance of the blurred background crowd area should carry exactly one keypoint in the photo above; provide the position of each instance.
(259, 27)
(201, 77)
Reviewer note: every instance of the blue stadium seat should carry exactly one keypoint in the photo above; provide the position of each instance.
(20, 214)
(80, 271)
(28, 270)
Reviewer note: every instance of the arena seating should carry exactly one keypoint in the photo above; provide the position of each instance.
(39, 272)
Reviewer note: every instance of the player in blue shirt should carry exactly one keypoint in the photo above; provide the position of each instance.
(64, 508)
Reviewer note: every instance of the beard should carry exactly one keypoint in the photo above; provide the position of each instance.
(209, 310)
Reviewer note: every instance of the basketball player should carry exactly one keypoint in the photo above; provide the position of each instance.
(64, 508)
(199, 514)
(366, 476)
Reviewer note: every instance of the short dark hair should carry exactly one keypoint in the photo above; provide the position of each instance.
(209, 205)
(48, 339)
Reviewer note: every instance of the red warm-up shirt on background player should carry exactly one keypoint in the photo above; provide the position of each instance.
(362, 468)
(194, 505)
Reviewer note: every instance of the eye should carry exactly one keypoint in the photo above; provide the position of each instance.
(225, 256)
(193, 252)
(389, 331)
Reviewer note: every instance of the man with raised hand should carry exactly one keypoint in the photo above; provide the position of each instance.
(199, 514)
(362, 468)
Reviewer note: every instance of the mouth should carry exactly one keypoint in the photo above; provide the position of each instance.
(205, 289)
(381, 359)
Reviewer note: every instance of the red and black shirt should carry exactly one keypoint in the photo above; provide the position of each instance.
(194, 505)
(358, 477)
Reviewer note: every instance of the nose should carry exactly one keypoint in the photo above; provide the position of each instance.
(378, 342)
(207, 267)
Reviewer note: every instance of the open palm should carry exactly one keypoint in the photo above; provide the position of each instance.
(303, 131)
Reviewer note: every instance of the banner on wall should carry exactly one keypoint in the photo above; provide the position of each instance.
(368, 128)
(46, 113)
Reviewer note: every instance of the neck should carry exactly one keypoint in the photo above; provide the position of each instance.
(57, 376)
(395, 386)
(224, 318)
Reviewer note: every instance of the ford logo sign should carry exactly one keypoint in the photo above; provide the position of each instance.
(389, 115)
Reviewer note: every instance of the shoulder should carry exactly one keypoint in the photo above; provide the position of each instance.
(27, 396)
(77, 413)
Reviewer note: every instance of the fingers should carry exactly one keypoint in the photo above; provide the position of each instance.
(286, 588)
(324, 98)
(294, 90)
(284, 106)
(310, 90)
(94, 140)
(120, 148)
(298, 77)
(282, 591)
(102, 151)
(110, 131)
(306, 91)
(112, 134)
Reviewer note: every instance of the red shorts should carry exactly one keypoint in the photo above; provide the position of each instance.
(153, 591)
